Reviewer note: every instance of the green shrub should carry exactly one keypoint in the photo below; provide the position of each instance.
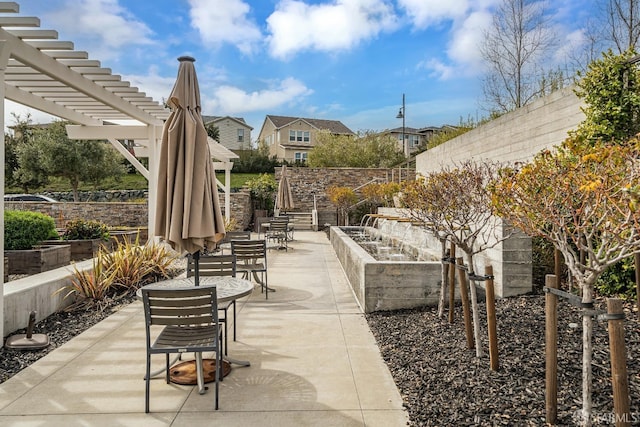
(619, 280)
(263, 189)
(23, 230)
(80, 229)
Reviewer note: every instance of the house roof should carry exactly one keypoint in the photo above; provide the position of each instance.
(334, 126)
(209, 119)
(407, 130)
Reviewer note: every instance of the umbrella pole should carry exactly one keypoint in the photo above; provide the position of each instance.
(196, 268)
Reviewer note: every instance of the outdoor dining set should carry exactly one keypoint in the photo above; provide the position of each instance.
(194, 318)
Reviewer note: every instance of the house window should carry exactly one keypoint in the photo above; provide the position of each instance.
(300, 157)
(240, 135)
(414, 141)
(299, 136)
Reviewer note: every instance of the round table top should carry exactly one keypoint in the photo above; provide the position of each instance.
(228, 288)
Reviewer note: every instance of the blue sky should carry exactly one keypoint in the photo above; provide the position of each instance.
(347, 60)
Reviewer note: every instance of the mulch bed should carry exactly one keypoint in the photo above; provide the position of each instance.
(442, 383)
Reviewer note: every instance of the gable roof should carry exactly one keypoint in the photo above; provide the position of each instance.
(209, 119)
(334, 126)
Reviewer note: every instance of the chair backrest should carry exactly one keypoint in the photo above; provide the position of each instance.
(249, 250)
(213, 265)
(237, 235)
(278, 226)
(196, 305)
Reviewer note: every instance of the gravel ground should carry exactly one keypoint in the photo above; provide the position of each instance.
(443, 384)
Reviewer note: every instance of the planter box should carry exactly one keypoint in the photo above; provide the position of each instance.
(81, 249)
(39, 259)
(123, 236)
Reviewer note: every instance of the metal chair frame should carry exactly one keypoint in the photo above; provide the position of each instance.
(189, 318)
(218, 265)
(251, 256)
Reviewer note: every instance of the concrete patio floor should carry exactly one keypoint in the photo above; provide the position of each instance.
(314, 362)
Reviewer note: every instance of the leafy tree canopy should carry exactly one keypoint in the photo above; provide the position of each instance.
(611, 91)
(367, 150)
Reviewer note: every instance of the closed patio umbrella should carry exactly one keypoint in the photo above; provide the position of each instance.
(188, 213)
(284, 198)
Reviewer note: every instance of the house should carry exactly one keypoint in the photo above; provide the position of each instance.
(291, 138)
(416, 138)
(234, 132)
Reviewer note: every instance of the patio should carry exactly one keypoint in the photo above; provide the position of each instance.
(313, 361)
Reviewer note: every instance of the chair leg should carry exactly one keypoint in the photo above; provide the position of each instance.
(147, 378)
(234, 320)
(200, 373)
(167, 374)
(226, 332)
(218, 375)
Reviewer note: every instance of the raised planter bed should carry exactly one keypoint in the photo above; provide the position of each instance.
(42, 258)
(123, 236)
(81, 249)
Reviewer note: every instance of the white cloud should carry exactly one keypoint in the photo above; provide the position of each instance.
(103, 25)
(225, 23)
(463, 52)
(464, 45)
(296, 26)
(426, 12)
(233, 100)
(152, 84)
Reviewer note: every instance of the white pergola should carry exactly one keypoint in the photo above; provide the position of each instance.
(46, 74)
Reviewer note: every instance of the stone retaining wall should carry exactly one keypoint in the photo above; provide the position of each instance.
(306, 183)
(120, 214)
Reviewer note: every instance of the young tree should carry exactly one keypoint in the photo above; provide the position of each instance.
(457, 204)
(368, 150)
(422, 199)
(582, 198)
(343, 198)
(515, 49)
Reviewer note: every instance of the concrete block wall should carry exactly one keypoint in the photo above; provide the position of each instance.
(39, 292)
(510, 260)
(514, 137)
(386, 285)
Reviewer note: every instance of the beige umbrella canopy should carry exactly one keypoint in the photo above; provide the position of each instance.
(188, 213)
(284, 198)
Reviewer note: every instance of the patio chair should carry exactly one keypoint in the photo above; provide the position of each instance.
(251, 256)
(279, 232)
(189, 318)
(233, 235)
(218, 265)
